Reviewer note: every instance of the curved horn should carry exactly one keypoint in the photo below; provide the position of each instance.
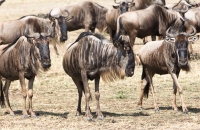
(169, 34)
(67, 13)
(194, 31)
(180, 10)
(130, 1)
(116, 2)
(34, 35)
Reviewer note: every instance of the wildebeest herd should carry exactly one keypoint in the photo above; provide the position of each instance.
(25, 50)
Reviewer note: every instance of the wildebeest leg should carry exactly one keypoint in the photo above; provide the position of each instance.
(79, 85)
(190, 48)
(150, 76)
(24, 93)
(55, 48)
(175, 91)
(143, 84)
(132, 41)
(153, 37)
(30, 96)
(87, 94)
(175, 79)
(97, 96)
(145, 40)
(6, 88)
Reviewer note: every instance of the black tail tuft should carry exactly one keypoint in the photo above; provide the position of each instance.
(2, 100)
(146, 88)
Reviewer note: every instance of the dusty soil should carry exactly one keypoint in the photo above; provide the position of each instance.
(55, 95)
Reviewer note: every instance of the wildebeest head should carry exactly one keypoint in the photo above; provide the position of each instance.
(123, 6)
(182, 6)
(40, 40)
(181, 45)
(62, 21)
(127, 52)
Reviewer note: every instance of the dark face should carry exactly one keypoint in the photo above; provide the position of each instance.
(182, 50)
(43, 45)
(127, 51)
(123, 7)
(63, 28)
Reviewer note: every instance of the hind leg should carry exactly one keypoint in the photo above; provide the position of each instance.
(150, 75)
(6, 88)
(87, 94)
(79, 85)
(143, 84)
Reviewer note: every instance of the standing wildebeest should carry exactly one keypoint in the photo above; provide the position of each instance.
(165, 57)
(12, 30)
(86, 15)
(113, 14)
(153, 20)
(91, 57)
(1, 1)
(22, 59)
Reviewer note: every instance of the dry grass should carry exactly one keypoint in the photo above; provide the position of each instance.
(55, 95)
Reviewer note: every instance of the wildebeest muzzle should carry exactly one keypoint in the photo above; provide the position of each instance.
(182, 57)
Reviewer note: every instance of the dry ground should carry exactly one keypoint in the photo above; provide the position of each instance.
(55, 95)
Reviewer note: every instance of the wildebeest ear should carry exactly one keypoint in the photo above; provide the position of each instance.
(193, 38)
(166, 7)
(131, 4)
(115, 6)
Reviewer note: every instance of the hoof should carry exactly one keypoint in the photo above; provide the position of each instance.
(89, 119)
(185, 112)
(140, 109)
(77, 114)
(157, 110)
(101, 117)
(26, 116)
(12, 114)
(34, 116)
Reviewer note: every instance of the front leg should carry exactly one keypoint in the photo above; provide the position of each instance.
(30, 96)
(87, 94)
(24, 93)
(97, 96)
(175, 79)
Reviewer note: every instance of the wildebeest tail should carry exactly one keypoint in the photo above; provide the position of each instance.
(2, 100)
(146, 88)
(119, 27)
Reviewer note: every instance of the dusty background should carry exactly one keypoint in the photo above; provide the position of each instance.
(55, 95)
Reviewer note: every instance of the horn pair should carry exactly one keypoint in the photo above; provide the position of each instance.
(119, 2)
(174, 35)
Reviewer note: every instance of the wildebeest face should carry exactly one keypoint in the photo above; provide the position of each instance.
(123, 6)
(42, 44)
(63, 28)
(127, 52)
(181, 43)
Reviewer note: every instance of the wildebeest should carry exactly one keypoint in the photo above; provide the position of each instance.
(153, 20)
(86, 15)
(192, 17)
(90, 57)
(1, 1)
(112, 15)
(22, 59)
(165, 57)
(12, 30)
